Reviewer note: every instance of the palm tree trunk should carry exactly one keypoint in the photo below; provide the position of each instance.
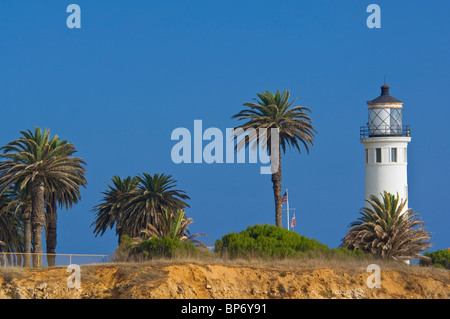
(276, 180)
(51, 232)
(120, 233)
(27, 237)
(123, 230)
(37, 218)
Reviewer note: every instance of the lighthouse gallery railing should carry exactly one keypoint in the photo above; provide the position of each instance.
(366, 132)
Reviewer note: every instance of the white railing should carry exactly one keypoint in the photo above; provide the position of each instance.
(26, 259)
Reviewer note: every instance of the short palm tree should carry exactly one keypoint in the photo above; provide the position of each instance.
(274, 111)
(388, 231)
(147, 203)
(108, 212)
(11, 237)
(40, 163)
(19, 208)
(11, 228)
(173, 225)
(133, 203)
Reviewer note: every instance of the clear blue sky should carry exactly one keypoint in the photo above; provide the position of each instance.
(136, 70)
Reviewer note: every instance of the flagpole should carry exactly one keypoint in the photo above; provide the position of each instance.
(287, 206)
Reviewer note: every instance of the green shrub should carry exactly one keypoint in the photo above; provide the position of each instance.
(156, 247)
(439, 259)
(267, 241)
(125, 240)
(166, 247)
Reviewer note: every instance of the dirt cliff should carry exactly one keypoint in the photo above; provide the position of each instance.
(222, 281)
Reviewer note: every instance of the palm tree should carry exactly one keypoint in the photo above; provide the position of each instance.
(38, 163)
(11, 237)
(294, 129)
(11, 228)
(132, 203)
(64, 195)
(109, 211)
(173, 225)
(147, 203)
(388, 231)
(17, 204)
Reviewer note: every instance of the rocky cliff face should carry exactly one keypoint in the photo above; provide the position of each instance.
(216, 281)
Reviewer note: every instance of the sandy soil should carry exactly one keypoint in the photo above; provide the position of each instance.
(192, 280)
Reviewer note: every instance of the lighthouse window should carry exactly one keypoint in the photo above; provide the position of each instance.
(394, 155)
(378, 155)
(367, 156)
(396, 121)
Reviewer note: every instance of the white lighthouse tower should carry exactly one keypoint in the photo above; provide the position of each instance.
(385, 140)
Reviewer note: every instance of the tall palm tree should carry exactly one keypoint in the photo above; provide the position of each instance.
(108, 212)
(274, 111)
(147, 203)
(386, 230)
(37, 164)
(64, 195)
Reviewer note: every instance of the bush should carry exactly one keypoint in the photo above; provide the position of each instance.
(166, 247)
(438, 259)
(155, 247)
(267, 241)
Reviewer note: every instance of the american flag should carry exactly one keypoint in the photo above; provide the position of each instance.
(293, 222)
(284, 198)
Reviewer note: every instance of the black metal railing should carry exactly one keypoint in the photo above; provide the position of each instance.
(366, 132)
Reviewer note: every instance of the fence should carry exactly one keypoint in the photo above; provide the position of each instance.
(26, 259)
(366, 131)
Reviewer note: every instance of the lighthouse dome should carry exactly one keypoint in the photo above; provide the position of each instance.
(385, 97)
